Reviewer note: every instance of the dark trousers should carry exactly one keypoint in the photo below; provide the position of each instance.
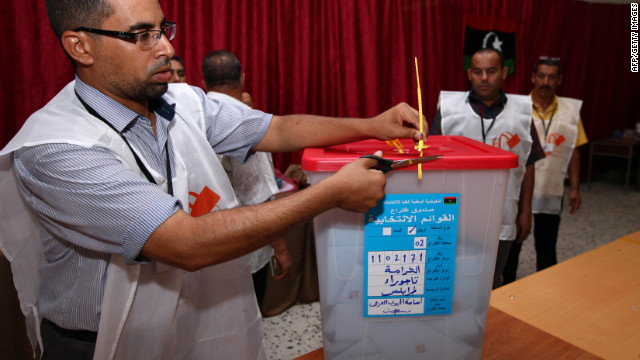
(545, 234)
(61, 344)
(260, 283)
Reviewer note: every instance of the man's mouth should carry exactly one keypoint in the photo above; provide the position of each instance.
(164, 75)
(162, 70)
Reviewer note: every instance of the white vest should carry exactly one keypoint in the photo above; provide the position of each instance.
(253, 183)
(511, 131)
(558, 144)
(149, 311)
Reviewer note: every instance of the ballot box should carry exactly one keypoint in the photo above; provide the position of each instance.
(411, 278)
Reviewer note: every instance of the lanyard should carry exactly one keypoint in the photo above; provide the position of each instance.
(144, 169)
(546, 128)
(484, 133)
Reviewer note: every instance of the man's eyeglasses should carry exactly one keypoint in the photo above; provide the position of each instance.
(145, 39)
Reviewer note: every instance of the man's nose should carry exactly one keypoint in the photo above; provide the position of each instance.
(164, 47)
(545, 80)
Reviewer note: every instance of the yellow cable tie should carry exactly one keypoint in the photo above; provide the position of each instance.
(397, 144)
(421, 142)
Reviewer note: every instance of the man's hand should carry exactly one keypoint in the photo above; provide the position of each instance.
(283, 258)
(523, 226)
(574, 201)
(574, 180)
(401, 121)
(356, 187)
(523, 222)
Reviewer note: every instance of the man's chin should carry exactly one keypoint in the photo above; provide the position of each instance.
(485, 95)
(154, 91)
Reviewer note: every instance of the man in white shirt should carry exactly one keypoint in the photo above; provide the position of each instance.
(485, 113)
(559, 126)
(120, 223)
(254, 181)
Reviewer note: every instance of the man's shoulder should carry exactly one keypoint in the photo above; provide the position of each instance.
(64, 106)
(518, 98)
(521, 102)
(62, 120)
(570, 102)
(448, 97)
(226, 98)
(65, 95)
(452, 93)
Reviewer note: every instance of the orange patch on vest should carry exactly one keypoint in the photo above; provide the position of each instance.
(204, 202)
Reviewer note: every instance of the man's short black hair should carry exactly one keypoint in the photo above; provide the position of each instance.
(221, 67)
(486, 50)
(544, 60)
(67, 15)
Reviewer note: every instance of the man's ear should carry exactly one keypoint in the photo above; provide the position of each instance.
(79, 46)
(505, 71)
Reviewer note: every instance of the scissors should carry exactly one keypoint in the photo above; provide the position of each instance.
(386, 165)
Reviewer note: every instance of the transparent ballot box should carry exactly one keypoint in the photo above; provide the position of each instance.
(411, 278)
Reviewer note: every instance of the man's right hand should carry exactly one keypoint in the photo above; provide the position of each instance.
(356, 186)
(191, 243)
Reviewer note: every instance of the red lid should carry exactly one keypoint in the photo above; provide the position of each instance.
(458, 152)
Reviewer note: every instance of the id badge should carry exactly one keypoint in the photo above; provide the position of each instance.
(548, 147)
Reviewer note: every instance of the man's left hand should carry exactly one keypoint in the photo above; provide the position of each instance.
(523, 226)
(574, 201)
(401, 121)
(283, 258)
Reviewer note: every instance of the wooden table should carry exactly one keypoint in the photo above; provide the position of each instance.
(583, 308)
(591, 301)
(507, 337)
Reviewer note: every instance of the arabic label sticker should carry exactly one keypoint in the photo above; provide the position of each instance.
(410, 251)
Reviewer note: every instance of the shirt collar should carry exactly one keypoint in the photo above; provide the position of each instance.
(115, 113)
(550, 109)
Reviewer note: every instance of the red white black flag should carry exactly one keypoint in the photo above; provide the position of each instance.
(482, 31)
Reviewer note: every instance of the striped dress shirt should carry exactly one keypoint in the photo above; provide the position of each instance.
(89, 205)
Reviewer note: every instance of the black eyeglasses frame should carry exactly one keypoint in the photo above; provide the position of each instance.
(166, 25)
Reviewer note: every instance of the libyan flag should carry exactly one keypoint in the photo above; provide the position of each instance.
(482, 31)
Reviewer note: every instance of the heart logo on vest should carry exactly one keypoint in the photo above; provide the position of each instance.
(556, 139)
(204, 202)
(509, 139)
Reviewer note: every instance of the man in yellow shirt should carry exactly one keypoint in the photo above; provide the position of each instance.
(560, 129)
